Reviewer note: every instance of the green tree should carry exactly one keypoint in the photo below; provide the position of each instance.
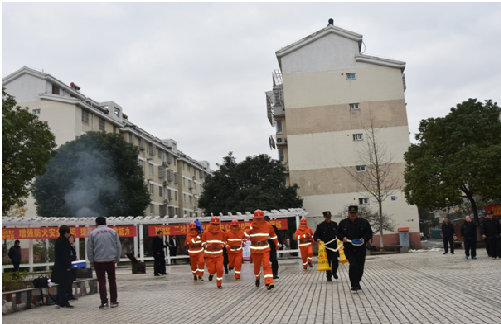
(255, 183)
(95, 175)
(27, 145)
(457, 156)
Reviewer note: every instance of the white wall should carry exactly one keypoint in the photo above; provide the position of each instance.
(26, 88)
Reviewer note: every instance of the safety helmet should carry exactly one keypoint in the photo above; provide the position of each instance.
(215, 221)
(303, 221)
(258, 214)
(234, 222)
(193, 226)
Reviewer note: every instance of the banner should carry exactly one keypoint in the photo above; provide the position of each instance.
(496, 209)
(20, 233)
(183, 229)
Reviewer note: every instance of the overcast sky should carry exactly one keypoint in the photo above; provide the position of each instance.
(197, 72)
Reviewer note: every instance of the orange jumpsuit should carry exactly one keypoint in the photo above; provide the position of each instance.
(196, 252)
(214, 240)
(304, 235)
(259, 232)
(236, 239)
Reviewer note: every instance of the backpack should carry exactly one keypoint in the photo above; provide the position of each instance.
(41, 282)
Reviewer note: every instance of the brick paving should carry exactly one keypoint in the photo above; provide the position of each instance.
(399, 288)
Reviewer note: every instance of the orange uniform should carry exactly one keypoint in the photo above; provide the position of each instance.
(196, 252)
(304, 235)
(236, 240)
(214, 240)
(259, 232)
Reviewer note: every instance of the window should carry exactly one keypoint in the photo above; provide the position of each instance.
(189, 168)
(150, 166)
(116, 111)
(141, 163)
(56, 89)
(360, 168)
(184, 197)
(363, 201)
(194, 185)
(184, 182)
(161, 172)
(160, 191)
(85, 117)
(101, 124)
(169, 194)
(357, 137)
(189, 183)
(36, 111)
(160, 154)
(351, 76)
(152, 208)
(175, 195)
(131, 138)
(281, 157)
(354, 106)
(151, 188)
(190, 199)
(279, 127)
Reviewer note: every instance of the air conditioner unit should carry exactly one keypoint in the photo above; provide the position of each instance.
(141, 147)
(194, 177)
(281, 140)
(166, 201)
(165, 183)
(164, 164)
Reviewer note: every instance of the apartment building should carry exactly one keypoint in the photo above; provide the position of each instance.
(70, 114)
(324, 96)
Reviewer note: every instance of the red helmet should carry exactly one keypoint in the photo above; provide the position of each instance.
(234, 222)
(193, 225)
(303, 221)
(258, 214)
(215, 221)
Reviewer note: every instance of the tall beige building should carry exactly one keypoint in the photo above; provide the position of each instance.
(173, 178)
(322, 101)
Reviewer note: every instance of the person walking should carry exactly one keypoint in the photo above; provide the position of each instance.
(490, 232)
(235, 242)
(304, 235)
(62, 266)
(273, 252)
(448, 235)
(355, 232)
(469, 234)
(159, 254)
(196, 252)
(103, 250)
(173, 248)
(15, 255)
(327, 232)
(214, 239)
(259, 232)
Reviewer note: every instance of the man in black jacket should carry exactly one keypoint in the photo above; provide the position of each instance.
(173, 247)
(273, 252)
(327, 232)
(62, 266)
(158, 254)
(448, 235)
(469, 234)
(355, 228)
(15, 255)
(490, 232)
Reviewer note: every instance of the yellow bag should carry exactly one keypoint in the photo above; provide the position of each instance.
(323, 263)
(340, 249)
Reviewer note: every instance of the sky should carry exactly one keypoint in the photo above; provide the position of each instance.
(197, 72)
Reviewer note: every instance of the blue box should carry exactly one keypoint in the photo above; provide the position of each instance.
(78, 264)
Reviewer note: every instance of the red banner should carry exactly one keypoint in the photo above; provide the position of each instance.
(496, 209)
(183, 229)
(20, 233)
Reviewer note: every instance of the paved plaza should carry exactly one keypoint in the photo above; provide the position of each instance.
(425, 287)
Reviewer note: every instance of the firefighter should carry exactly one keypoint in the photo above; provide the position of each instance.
(259, 232)
(214, 239)
(304, 235)
(236, 240)
(196, 252)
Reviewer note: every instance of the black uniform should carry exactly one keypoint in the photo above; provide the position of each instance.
(60, 274)
(327, 232)
(172, 249)
(358, 229)
(16, 256)
(448, 236)
(274, 253)
(469, 234)
(73, 274)
(159, 255)
(490, 228)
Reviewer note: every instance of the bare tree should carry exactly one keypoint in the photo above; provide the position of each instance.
(376, 174)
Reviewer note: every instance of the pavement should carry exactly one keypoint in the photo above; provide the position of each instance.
(426, 287)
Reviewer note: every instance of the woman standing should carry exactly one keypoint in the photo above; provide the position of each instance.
(62, 267)
(73, 272)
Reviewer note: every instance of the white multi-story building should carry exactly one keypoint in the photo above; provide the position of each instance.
(322, 101)
(70, 114)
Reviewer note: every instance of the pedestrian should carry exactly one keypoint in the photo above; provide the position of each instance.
(304, 235)
(73, 271)
(214, 239)
(469, 234)
(499, 238)
(327, 232)
(62, 266)
(448, 235)
(490, 233)
(235, 241)
(196, 252)
(159, 254)
(15, 255)
(259, 232)
(273, 252)
(173, 248)
(355, 232)
(103, 250)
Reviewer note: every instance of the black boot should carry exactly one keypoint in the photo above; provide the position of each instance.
(195, 278)
(210, 277)
(257, 283)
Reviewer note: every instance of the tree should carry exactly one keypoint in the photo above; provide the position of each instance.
(27, 145)
(16, 210)
(456, 157)
(255, 183)
(95, 175)
(379, 179)
(372, 217)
